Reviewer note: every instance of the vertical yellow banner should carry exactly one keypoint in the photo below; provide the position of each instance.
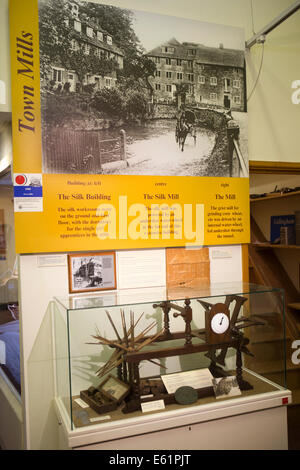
(25, 80)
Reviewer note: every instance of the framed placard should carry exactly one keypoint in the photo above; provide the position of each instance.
(114, 389)
(91, 272)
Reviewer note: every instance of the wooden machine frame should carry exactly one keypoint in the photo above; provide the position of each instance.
(129, 351)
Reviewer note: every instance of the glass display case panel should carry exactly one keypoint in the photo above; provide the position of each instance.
(8, 263)
(182, 346)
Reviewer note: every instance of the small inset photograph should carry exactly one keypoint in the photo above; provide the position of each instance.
(226, 387)
(89, 272)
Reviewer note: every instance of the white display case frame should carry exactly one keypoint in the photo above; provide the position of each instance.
(252, 422)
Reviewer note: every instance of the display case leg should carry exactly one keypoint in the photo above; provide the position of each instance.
(243, 384)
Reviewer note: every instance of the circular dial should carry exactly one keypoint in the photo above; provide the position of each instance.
(219, 323)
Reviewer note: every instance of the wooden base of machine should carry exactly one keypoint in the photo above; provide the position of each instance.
(156, 388)
(98, 403)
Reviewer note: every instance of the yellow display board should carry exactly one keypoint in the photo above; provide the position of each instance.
(91, 213)
(77, 212)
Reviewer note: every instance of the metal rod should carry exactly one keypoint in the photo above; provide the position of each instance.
(113, 325)
(242, 163)
(274, 23)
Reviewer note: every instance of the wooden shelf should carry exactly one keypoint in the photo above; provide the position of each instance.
(267, 267)
(275, 246)
(278, 168)
(295, 305)
(275, 196)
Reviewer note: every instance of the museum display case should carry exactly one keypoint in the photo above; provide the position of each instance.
(136, 352)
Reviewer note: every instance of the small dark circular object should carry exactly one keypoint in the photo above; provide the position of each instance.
(186, 395)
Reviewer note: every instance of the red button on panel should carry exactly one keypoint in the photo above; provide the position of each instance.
(20, 179)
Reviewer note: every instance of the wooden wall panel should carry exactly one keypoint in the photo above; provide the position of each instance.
(187, 267)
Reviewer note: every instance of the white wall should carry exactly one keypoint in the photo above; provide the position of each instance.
(5, 99)
(5, 144)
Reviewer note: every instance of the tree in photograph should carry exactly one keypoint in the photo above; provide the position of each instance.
(136, 104)
(116, 21)
(54, 35)
(119, 23)
(80, 63)
(109, 101)
(140, 67)
(84, 64)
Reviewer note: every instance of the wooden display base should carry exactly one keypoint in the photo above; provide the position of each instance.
(258, 386)
(154, 387)
(102, 405)
(168, 398)
(107, 396)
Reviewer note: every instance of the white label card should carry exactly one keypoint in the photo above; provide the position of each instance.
(81, 403)
(153, 406)
(195, 378)
(51, 260)
(99, 418)
(142, 268)
(22, 204)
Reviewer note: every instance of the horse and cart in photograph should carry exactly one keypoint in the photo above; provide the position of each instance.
(185, 125)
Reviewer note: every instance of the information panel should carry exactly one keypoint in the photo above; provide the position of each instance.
(125, 140)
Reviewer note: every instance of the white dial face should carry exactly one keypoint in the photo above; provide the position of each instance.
(219, 323)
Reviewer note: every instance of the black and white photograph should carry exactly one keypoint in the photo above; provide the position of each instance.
(89, 272)
(226, 387)
(114, 388)
(119, 96)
